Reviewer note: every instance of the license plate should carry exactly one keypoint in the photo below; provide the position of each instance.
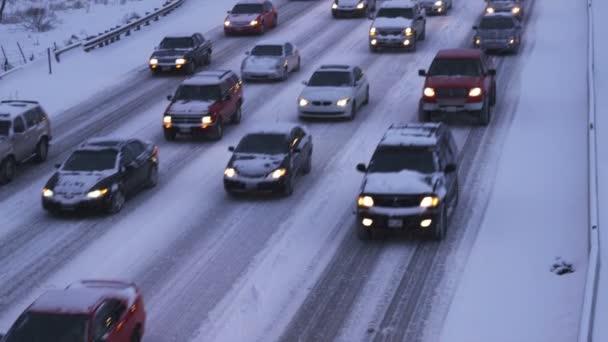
(166, 68)
(184, 129)
(395, 223)
(451, 109)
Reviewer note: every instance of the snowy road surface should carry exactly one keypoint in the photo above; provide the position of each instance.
(217, 269)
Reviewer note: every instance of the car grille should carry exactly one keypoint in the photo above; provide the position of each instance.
(391, 32)
(166, 60)
(451, 93)
(396, 201)
(186, 119)
(321, 103)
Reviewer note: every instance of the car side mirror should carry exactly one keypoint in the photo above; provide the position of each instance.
(475, 27)
(229, 12)
(449, 168)
(421, 72)
(305, 82)
(492, 72)
(371, 15)
(361, 167)
(57, 166)
(231, 148)
(169, 97)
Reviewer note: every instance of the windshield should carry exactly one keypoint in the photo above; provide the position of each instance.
(198, 93)
(4, 127)
(399, 158)
(496, 23)
(267, 50)
(455, 67)
(407, 13)
(94, 160)
(45, 327)
(247, 8)
(330, 79)
(263, 143)
(176, 43)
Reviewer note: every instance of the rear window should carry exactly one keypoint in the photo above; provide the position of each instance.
(247, 8)
(177, 43)
(455, 67)
(5, 127)
(496, 23)
(198, 93)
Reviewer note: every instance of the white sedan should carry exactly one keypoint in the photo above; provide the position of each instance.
(270, 60)
(334, 91)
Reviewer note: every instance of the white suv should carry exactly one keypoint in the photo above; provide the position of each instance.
(334, 91)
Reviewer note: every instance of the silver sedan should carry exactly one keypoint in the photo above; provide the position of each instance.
(270, 61)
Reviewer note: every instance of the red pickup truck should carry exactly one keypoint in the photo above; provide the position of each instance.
(458, 81)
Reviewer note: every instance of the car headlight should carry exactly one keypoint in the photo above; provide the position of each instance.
(253, 22)
(334, 6)
(438, 3)
(372, 31)
(474, 92)
(230, 172)
(429, 202)
(167, 120)
(180, 61)
(278, 173)
(408, 31)
(429, 92)
(360, 5)
(515, 10)
(47, 192)
(365, 201)
(207, 120)
(342, 102)
(477, 41)
(227, 23)
(153, 61)
(97, 193)
(489, 10)
(303, 102)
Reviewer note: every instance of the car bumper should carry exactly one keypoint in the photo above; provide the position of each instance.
(349, 11)
(324, 111)
(451, 107)
(59, 203)
(503, 45)
(167, 67)
(242, 184)
(243, 29)
(398, 219)
(270, 74)
(191, 129)
(393, 42)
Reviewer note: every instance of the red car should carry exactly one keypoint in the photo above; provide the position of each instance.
(91, 311)
(251, 16)
(458, 81)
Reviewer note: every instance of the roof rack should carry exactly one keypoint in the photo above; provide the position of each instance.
(19, 101)
(213, 73)
(414, 129)
(335, 66)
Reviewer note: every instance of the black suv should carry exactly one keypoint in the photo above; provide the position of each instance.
(410, 182)
(203, 103)
(181, 53)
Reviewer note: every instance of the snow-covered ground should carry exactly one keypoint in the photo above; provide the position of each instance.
(71, 23)
(538, 210)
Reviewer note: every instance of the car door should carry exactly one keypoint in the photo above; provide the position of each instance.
(447, 156)
(419, 20)
(128, 170)
(141, 161)
(19, 139)
(359, 85)
(32, 130)
(294, 141)
(269, 14)
(108, 322)
(484, 66)
(203, 46)
(290, 56)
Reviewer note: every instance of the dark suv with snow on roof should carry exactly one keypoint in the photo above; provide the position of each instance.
(398, 24)
(25, 133)
(505, 6)
(181, 53)
(203, 104)
(100, 175)
(410, 181)
(498, 32)
(458, 81)
(87, 311)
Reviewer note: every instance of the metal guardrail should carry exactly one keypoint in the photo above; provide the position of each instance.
(114, 34)
(593, 268)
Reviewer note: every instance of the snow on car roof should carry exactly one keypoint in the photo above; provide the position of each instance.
(80, 299)
(206, 77)
(179, 34)
(271, 42)
(398, 4)
(250, 2)
(412, 134)
(278, 128)
(12, 108)
(340, 67)
(104, 142)
(459, 53)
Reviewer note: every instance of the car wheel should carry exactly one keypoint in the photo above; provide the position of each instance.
(191, 68)
(284, 74)
(152, 176)
(493, 94)
(208, 58)
(423, 115)
(423, 34)
(42, 150)
(440, 228)
(262, 28)
(353, 111)
(116, 202)
(414, 45)
(169, 134)
(366, 102)
(456, 196)
(484, 115)
(219, 130)
(275, 22)
(364, 233)
(136, 336)
(308, 166)
(297, 68)
(373, 48)
(8, 170)
(236, 116)
(288, 187)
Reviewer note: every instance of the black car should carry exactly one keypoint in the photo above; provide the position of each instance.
(181, 53)
(410, 181)
(100, 175)
(268, 160)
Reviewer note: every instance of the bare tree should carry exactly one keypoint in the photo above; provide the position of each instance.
(2, 9)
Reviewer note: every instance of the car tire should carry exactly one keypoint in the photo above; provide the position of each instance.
(484, 115)
(275, 21)
(152, 178)
(8, 170)
(308, 166)
(288, 187)
(136, 335)
(353, 111)
(191, 68)
(455, 197)
(236, 116)
(439, 230)
(493, 94)
(423, 115)
(117, 201)
(169, 134)
(262, 28)
(364, 233)
(423, 34)
(42, 150)
(207, 60)
(297, 68)
(219, 131)
(366, 102)
(414, 45)
(373, 49)
(285, 74)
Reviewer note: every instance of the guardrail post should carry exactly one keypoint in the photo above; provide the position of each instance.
(22, 54)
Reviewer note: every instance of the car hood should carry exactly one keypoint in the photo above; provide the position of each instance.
(261, 62)
(348, 2)
(454, 81)
(256, 165)
(189, 107)
(72, 182)
(392, 23)
(177, 53)
(242, 18)
(496, 33)
(405, 182)
(326, 93)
